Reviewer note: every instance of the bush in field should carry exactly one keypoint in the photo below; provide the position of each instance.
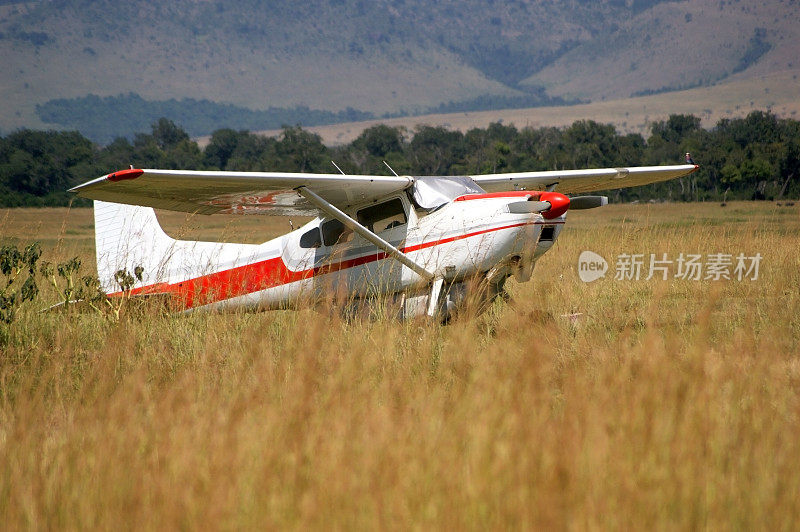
(14, 264)
(65, 279)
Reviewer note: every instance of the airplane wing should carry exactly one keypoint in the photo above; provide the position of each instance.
(237, 192)
(274, 193)
(579, 181)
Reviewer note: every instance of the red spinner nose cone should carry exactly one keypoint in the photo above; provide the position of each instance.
(559, 204)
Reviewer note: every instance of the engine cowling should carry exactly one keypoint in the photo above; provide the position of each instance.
(559, 203)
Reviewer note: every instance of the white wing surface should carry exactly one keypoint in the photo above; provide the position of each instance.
(236, 192)
(274, 193)
(579, 181)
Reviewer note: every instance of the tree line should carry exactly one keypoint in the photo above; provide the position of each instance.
(756, 157)
(103, 119)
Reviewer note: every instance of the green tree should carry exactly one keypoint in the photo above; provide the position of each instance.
(591, 144)
(43, 164)
(379, 140)
(167, 134)
(434, 150)
(252, 153)
(675, 128)
(185, 155)
(221, 147)
(298, 150)
(117, 155)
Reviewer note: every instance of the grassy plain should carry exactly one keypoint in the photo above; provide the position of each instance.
(666, 404)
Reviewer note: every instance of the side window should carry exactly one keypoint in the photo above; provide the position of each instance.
(383, 216)
(334, 232)
(311, 239)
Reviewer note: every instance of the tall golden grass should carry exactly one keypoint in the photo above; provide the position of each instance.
(668, 404)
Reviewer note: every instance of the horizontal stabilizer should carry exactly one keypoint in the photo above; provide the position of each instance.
(155, 300)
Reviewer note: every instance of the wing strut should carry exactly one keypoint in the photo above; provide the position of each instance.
(363, 231)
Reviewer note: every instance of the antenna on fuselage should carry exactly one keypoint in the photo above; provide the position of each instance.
(337, 167)
(390, 169)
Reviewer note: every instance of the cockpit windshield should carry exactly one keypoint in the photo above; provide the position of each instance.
(432, 192)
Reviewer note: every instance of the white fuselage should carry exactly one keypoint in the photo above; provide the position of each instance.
(457, 241)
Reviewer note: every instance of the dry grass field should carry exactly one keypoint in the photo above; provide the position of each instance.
(663, 404)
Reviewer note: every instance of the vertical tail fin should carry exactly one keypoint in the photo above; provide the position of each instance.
(127, 237)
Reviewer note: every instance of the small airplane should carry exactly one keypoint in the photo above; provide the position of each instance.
(427, 245)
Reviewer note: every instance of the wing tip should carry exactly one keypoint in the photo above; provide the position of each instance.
(122, 175)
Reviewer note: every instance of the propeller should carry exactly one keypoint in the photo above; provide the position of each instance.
(587, 202)
(552, 204)
(527, 207)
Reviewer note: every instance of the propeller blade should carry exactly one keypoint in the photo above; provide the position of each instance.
(587, 202)
(527, 207)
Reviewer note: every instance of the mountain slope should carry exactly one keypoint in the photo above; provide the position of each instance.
(385, 56)
(679, 45)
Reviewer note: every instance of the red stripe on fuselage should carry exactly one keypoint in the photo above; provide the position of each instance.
(270, 273)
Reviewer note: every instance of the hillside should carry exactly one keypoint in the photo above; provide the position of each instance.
(383, 57)
(777, 93)
(679, 45)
